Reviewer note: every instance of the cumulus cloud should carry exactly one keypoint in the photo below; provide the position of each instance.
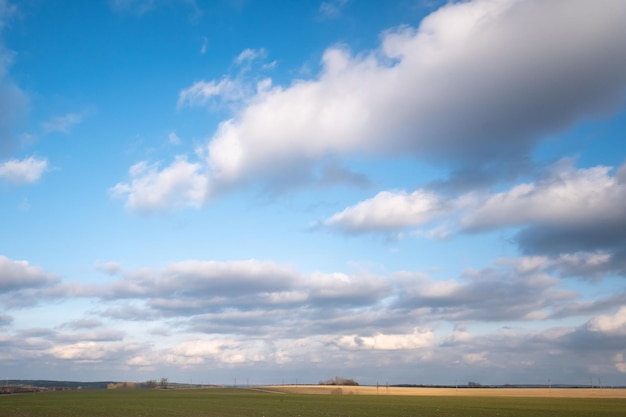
(595, 192)
(25, 171)
(476, 63)
(389, 210)
(381, 341)
(182, 184)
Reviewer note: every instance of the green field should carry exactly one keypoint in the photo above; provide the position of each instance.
(245, 403)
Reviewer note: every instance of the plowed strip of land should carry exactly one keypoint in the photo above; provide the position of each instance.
(474, 392)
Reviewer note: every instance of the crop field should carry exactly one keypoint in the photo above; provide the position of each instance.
(264, 402)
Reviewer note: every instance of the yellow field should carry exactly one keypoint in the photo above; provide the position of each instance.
(484, 392)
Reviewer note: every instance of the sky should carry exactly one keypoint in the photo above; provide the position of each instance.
(407, 191)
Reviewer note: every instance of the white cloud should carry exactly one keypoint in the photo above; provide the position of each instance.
(363, 103)
(389, 210)
(222, 351)
(415, 340)
(25, 171)
(474, 63)
(181, 184)
(609, 324)
(346, 289)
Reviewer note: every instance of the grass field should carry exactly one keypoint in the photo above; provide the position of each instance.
(452, 392)
(251, 403)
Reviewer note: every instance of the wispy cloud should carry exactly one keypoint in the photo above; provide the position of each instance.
(63, 124)
(13, 101)
(249, 54)
(201, 92)
(230, 89)
(141, 7)
(332, 9)
(173, 138)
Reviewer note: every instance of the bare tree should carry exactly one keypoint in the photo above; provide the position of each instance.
(163, 383)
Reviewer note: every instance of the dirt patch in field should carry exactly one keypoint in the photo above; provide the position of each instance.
(485, 392)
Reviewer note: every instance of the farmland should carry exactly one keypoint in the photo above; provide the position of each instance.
(292, 401)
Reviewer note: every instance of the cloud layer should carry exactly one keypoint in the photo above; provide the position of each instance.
(257, 313)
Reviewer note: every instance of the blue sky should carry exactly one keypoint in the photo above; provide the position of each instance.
(404, 191)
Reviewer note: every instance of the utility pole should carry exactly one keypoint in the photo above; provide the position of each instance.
(549, 387)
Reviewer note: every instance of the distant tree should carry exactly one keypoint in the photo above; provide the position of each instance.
(163, 383)
(473, 384)
(338, 380)
(151, 383)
